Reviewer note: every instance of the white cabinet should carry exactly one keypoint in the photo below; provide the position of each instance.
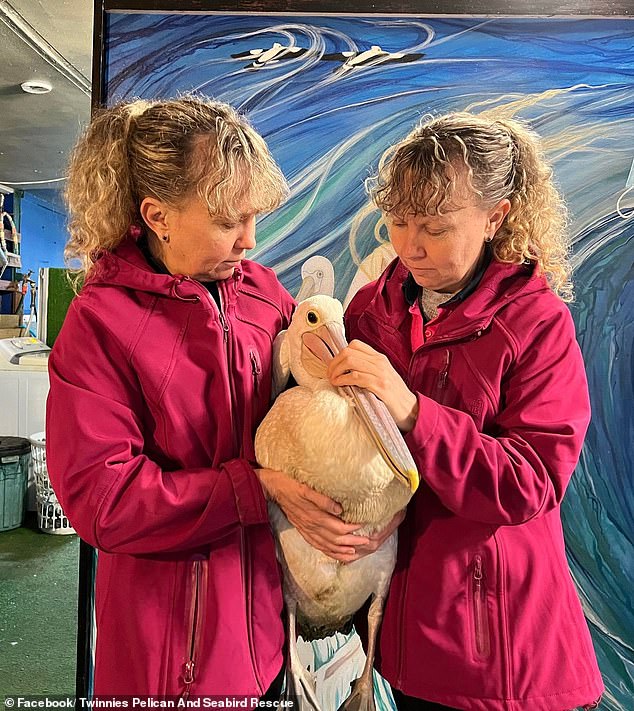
(22, 401)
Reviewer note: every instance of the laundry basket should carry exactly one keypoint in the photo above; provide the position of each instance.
(50, 517)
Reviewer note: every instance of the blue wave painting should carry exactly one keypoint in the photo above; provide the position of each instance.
(328, 118)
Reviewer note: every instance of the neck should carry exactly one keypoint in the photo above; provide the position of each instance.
(156, 251)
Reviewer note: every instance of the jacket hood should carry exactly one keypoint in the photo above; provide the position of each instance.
(127, 267)
(500, 285)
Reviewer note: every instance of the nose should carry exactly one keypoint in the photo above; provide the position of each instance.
(415, 241)
(246, 236)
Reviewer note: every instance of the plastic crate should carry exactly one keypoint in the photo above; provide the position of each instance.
(50, 517)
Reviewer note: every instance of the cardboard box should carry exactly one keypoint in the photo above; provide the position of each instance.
(10, 332)
(10, 320)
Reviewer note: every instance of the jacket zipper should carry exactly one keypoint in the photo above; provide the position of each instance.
(444, 373)
(227, 341)
(243, 545)
(480, 614)
(256, 370)
(246, 580)
(199, 572)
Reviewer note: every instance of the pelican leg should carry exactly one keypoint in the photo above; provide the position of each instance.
(362, 695)
(300, 687)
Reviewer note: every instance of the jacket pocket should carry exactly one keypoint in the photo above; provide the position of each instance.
(479, 611)
(195, 620)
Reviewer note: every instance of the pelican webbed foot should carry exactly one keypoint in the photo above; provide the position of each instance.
(361, 697)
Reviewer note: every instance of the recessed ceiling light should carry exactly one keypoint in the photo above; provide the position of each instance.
(36, 86)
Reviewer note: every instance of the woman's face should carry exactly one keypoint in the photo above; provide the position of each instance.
(199, 245)
(443, 251)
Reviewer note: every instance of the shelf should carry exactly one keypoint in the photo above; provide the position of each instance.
(8, 236)
(15, 260)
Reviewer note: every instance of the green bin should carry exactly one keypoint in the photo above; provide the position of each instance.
(15, 455)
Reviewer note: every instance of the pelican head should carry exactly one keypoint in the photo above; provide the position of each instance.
(315, 335)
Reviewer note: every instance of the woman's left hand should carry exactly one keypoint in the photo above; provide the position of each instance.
(360, 365)
(376, 540)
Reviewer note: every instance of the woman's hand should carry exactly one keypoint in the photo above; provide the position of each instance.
(376, 540)
(361, 365)
(315, 516)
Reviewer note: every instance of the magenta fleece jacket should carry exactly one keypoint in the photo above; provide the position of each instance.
(154, 400)
(482, 613)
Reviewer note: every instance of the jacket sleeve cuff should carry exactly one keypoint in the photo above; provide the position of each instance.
(426, 422)
(248, 493)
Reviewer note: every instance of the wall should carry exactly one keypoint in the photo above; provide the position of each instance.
(43, 228)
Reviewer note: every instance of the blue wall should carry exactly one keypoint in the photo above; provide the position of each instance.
(43, 229)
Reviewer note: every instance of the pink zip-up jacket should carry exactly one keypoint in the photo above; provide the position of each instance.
(154, 400)
(482, 612)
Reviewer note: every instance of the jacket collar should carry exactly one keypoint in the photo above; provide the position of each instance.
(127, 266)
(498, 285)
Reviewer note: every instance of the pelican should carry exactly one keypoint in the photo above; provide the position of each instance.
(318, 277)
(341, 442)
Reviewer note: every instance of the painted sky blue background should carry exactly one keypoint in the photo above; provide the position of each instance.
(572, 79)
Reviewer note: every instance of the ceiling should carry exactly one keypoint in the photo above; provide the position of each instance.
(45, 40)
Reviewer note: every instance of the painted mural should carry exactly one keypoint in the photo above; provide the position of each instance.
(330, 93)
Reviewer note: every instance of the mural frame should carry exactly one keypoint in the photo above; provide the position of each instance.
(611, 9)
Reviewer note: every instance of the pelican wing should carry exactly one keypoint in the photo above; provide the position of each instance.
(281, 364)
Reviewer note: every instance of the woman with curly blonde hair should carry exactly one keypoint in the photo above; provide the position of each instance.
(159, 378)
(468, 341)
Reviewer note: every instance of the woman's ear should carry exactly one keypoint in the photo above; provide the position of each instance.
(497, 215)
(155, 214)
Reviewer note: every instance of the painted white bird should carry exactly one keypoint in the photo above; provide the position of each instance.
(341, 442)
(318, 277)
(371, 58)
(271, 56)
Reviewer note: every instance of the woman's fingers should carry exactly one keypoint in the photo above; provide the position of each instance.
(321, 501)
(315, 516)
(376, 540)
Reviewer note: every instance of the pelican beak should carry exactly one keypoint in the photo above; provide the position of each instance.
(308, 288)
(319, 348)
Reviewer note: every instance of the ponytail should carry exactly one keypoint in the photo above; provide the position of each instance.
(100, 189)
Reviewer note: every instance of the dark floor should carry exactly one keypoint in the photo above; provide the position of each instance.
(38, 608)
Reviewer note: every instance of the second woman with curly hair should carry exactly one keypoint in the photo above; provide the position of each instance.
(468, 341)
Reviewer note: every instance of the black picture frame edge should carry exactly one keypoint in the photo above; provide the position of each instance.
(417, 7)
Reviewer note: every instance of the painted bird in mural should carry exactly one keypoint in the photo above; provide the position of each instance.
(343, 443)
(318, 277)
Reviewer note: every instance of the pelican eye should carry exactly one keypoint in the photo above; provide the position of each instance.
(312, 318)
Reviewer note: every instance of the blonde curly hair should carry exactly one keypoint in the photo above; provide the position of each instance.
(503, 159)
(169, 150)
